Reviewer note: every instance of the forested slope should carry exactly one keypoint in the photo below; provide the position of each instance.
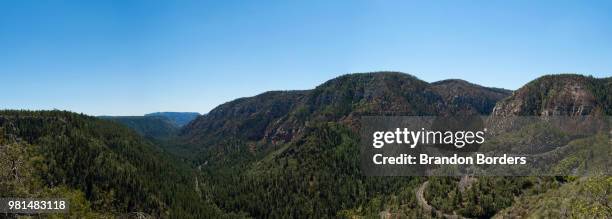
(296, 153)
(287, 154)
(152, 127)
(103, 167)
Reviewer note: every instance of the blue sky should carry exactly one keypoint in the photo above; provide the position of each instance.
(135, 57)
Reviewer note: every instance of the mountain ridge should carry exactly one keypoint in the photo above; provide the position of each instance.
(301, 145)
(562, 94)
(279, 115)
(283, 154)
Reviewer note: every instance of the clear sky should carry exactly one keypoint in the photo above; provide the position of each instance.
(134, 57)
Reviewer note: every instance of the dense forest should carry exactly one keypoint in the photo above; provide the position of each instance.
(295, 154)
(151, 127)
(102, 167)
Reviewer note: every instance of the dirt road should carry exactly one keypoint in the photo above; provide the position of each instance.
(428, 208)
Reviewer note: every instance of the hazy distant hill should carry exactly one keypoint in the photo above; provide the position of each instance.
(155, 127)
(179, 118)
(160, 125)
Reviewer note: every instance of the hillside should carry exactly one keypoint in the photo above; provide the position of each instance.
(462, 94)
(153, 127)
(103, 168)
(298, 150)
(281, 116)
(179, 118)
(299, 153)
(288, 154)
(549, 197)
(565, 94)
(584, 198)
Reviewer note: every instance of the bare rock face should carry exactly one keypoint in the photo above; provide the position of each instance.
(557, 95)
(573, 100)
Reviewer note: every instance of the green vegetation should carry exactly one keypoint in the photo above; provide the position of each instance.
(318, 176)
(485, 196)
(583, 198)
(152, 127)
(564, 94)
(101, 166)
(179, 118)
(295, 154)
